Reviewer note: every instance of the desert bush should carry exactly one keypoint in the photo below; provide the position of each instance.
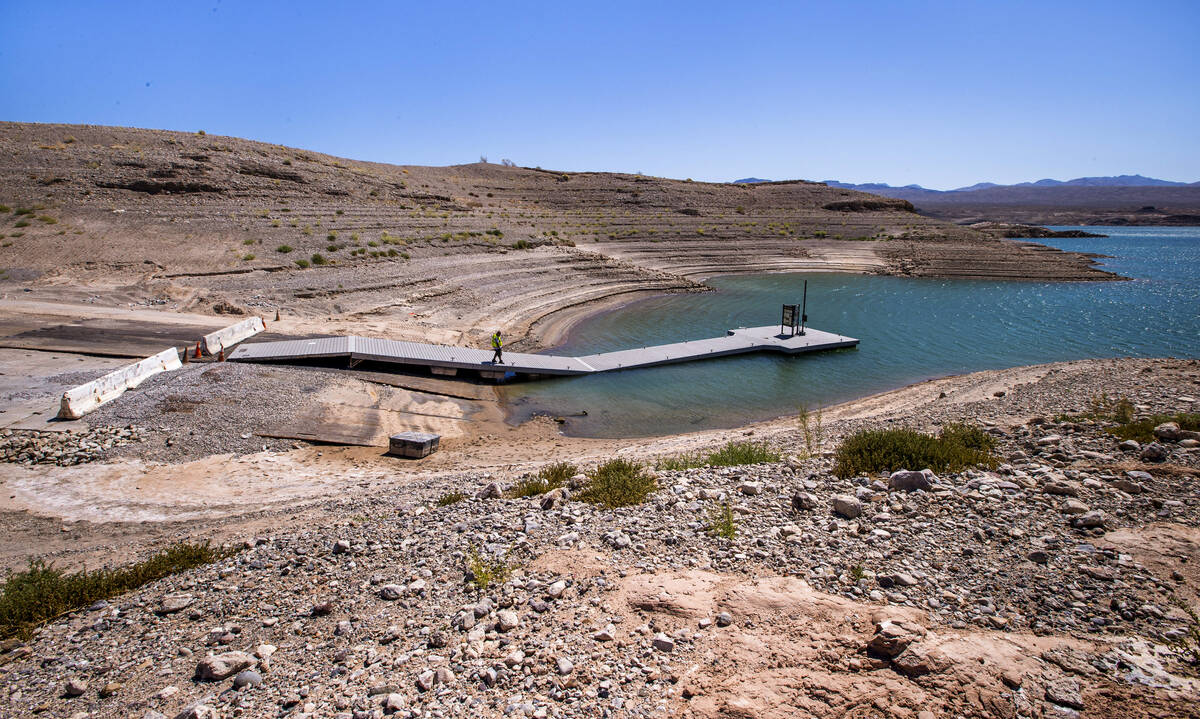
(730, 455)
(811, 429)
(21, 223)
(450, 498)
(1142, 430)
(319, 259)
(618, 483)
(885, 450)
(552, 476)
(483, 571)
(721, 522)
(284, 249)
(33, 597)
(302, 264)
(1101, 408)
(522, 245)
(247, 257)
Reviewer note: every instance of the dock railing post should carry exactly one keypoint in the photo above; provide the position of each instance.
(804, 308)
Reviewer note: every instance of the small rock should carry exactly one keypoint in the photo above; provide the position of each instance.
(507, 620)
(803, 502)
(1089, 520)
(393, 703)
(892, 637)
(1128, 486)
(1073, 507)
(909, 481)
(1064, 692)
(75, 687)
(247, 678)
(847, 506)
(491, 491)
(1130, 445)
(173, 603)
(341, 546)
(1168, 431)
(391, 592)
(663, 643)
(1154, 452)
(426, 679)
(607, 634)
(564, 666)
(724, 619)
(750, 488)
(216, 667)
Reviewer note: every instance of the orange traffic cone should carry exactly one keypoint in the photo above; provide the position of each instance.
(186, 359)
(277, 314)
(197, 355)
(221, 355)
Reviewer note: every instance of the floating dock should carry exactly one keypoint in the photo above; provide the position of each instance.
(448, 361)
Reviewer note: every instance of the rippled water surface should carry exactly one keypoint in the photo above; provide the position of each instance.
(911, 330)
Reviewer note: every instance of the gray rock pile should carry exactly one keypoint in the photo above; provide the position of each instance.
(64, 448)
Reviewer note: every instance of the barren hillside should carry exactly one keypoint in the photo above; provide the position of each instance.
(192, 221)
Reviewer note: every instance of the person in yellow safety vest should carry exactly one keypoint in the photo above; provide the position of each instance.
(497, 348)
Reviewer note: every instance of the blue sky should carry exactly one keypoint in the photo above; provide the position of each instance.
(938, 93)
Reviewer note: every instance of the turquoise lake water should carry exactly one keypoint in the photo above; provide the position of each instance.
(911, 330)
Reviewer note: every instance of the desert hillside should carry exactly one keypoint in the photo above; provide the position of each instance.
(204, 223)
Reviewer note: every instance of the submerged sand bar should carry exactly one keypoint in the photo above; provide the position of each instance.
(442, 359)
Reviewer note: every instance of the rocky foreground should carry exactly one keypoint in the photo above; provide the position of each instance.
(1051, 586)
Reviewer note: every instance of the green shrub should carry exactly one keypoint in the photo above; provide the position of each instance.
(730, 455)
(1142, 430)
(42, 593)
(484, 571)
(968, 435)
(811, 429)
(284, 249)
(248, 257)
(618, 483)
(886, 450)
(24, 211)
(5, 208)
(522, 245)
(319, 259)
(248, 241)
(21, 223)
(552, 476)
(721, 522)
(450, 498)
(1103, 409)
(302, 264)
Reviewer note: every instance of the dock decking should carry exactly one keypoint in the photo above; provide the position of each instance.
(448, 360)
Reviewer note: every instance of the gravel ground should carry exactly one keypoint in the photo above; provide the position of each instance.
(214, 408)
(1067, 557)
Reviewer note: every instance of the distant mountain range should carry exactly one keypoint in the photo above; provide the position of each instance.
(1110, 181)
(1120, 199)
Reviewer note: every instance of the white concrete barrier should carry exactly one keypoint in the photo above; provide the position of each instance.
(231, 335)
(80, 400)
